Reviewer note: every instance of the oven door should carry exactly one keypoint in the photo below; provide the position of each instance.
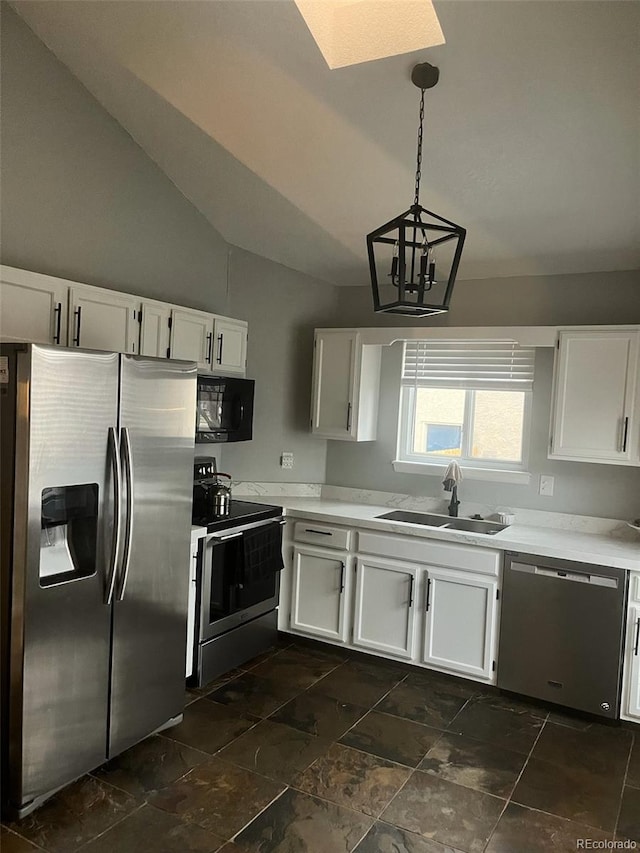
(229, 595)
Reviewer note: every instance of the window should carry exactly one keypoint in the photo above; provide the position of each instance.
(468, 401)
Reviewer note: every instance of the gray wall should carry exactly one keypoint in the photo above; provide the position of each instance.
(608, 491)
(584, 298)
(81, 200)
(282, 309)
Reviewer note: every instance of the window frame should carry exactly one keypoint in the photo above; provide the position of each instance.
(483, 469)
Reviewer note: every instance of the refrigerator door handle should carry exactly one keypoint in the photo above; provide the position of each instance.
(128, 477)
(114, 454)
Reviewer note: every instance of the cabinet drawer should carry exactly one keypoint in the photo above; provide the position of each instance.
(431, 552)
(322, 534)
(634, 587)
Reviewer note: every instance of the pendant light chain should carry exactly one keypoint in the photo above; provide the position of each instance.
(416, 200)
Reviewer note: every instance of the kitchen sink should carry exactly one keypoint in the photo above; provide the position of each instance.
(472, 525)
(469, 525)
(416, 518)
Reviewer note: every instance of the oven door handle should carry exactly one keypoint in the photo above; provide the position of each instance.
(228, 536)
(241, 529)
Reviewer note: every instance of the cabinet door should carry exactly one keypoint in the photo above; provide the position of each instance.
(34, 307)
(460, 626)
(154, 330)
(384, 614)
(595, 386)
(192, 337)
(104, 320)
(230, 345)
(332, 403)
(319, 593)
(633, 663)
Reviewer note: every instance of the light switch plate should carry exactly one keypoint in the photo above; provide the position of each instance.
(546, 485)
(286, 460)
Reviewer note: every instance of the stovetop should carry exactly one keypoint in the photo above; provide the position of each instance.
(240, 512)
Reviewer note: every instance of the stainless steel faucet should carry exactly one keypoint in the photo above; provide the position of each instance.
(454, 502)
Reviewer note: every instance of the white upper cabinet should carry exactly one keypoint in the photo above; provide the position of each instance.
(230, 345)
(461, 622)
(154, 329)
(192, 336)
(595, 411)
(346, 378)
(42, 309)
(33, 307)
(102, 319)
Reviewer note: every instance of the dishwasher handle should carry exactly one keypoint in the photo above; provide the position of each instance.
(566, 575)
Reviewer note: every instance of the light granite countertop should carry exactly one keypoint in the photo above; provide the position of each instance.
(595, 548)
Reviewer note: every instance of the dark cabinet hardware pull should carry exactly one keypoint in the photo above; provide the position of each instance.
(319, 532)
(58, 315)
(348, 417)
(428, 594)
(209, 346)
(635, 650)
(411, 591)
(625, 434)
(221, 339)
(77, 313)
(341, 578)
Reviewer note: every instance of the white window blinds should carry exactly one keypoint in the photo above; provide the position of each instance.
(486, 365)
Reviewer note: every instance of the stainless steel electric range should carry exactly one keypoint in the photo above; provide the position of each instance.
(238, 582)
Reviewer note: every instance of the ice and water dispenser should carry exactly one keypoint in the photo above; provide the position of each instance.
(69, 532)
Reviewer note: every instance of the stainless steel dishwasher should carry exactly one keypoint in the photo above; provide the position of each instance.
(562, 632)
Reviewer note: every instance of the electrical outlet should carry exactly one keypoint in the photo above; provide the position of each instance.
(286, 460)
(546, 485)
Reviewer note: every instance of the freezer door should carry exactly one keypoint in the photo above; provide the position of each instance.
(60, 626)
(157, 425)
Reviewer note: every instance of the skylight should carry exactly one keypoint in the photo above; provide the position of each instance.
(352, 31)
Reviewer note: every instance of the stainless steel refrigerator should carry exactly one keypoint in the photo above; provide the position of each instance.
(95, 511)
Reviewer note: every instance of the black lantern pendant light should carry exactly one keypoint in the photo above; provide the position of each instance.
(418, 252)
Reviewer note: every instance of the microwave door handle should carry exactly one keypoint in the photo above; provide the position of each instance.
(114, 456)
(128, 476)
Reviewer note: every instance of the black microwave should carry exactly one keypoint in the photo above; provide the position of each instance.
(224, 409)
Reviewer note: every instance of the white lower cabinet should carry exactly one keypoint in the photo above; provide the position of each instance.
(631, 667)
(319, 592)
(384, 611)
(431, 602)
(196, 535)
(633, 663)
(460, 625)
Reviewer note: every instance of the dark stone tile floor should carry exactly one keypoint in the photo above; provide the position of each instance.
(308, 749)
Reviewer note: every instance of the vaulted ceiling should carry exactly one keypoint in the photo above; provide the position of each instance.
(531, 135)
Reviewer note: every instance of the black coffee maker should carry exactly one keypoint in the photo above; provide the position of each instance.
(211, 495)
